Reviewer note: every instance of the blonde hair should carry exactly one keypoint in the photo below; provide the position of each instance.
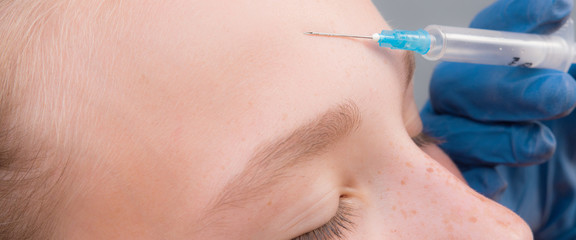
(38, 40)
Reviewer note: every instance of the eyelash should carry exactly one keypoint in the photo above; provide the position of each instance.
(335, 228)
(424, 139)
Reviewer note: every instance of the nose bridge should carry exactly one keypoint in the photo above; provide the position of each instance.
(417, 198)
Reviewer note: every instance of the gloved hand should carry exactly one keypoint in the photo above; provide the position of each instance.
(497, 127)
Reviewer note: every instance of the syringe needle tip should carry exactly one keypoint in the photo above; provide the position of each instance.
(317, 33)
(337, 35)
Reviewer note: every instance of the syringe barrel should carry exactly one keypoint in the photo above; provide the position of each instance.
(481, 46)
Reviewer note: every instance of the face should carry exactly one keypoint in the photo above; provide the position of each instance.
(221, 119)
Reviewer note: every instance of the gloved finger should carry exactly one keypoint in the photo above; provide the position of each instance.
(530, 16)
(500, 93)
(572, 70)
(484, 179)
(476, 143)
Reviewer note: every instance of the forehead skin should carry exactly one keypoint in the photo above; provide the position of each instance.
(197, 85)
(243, 78)
(194, 87)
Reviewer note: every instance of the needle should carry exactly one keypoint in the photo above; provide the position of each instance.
(338, 35)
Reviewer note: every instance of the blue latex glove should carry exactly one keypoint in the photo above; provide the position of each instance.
(497, 127)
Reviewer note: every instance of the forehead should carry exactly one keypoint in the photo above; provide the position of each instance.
(228, 60)
(243, 39)
(224, 77)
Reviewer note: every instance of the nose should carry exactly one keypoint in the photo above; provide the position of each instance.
(415, 197)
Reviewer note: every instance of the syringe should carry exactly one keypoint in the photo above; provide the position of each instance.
(469, 45)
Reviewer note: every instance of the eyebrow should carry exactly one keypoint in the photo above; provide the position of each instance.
(271, 160)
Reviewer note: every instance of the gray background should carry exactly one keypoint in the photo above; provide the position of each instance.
(416, 14)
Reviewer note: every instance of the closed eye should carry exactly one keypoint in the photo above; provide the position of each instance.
(336, 228)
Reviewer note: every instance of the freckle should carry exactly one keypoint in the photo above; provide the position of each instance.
(404, 213)
(403, 182)
(394, 208)
(430, 170)
(409, 164)
(414, 212)
(379, 172)
(473, 219)
(269, 203)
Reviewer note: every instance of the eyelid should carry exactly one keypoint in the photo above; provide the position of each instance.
(336, 228)
(424, 139)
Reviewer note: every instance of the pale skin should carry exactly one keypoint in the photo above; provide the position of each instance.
(196, 87)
